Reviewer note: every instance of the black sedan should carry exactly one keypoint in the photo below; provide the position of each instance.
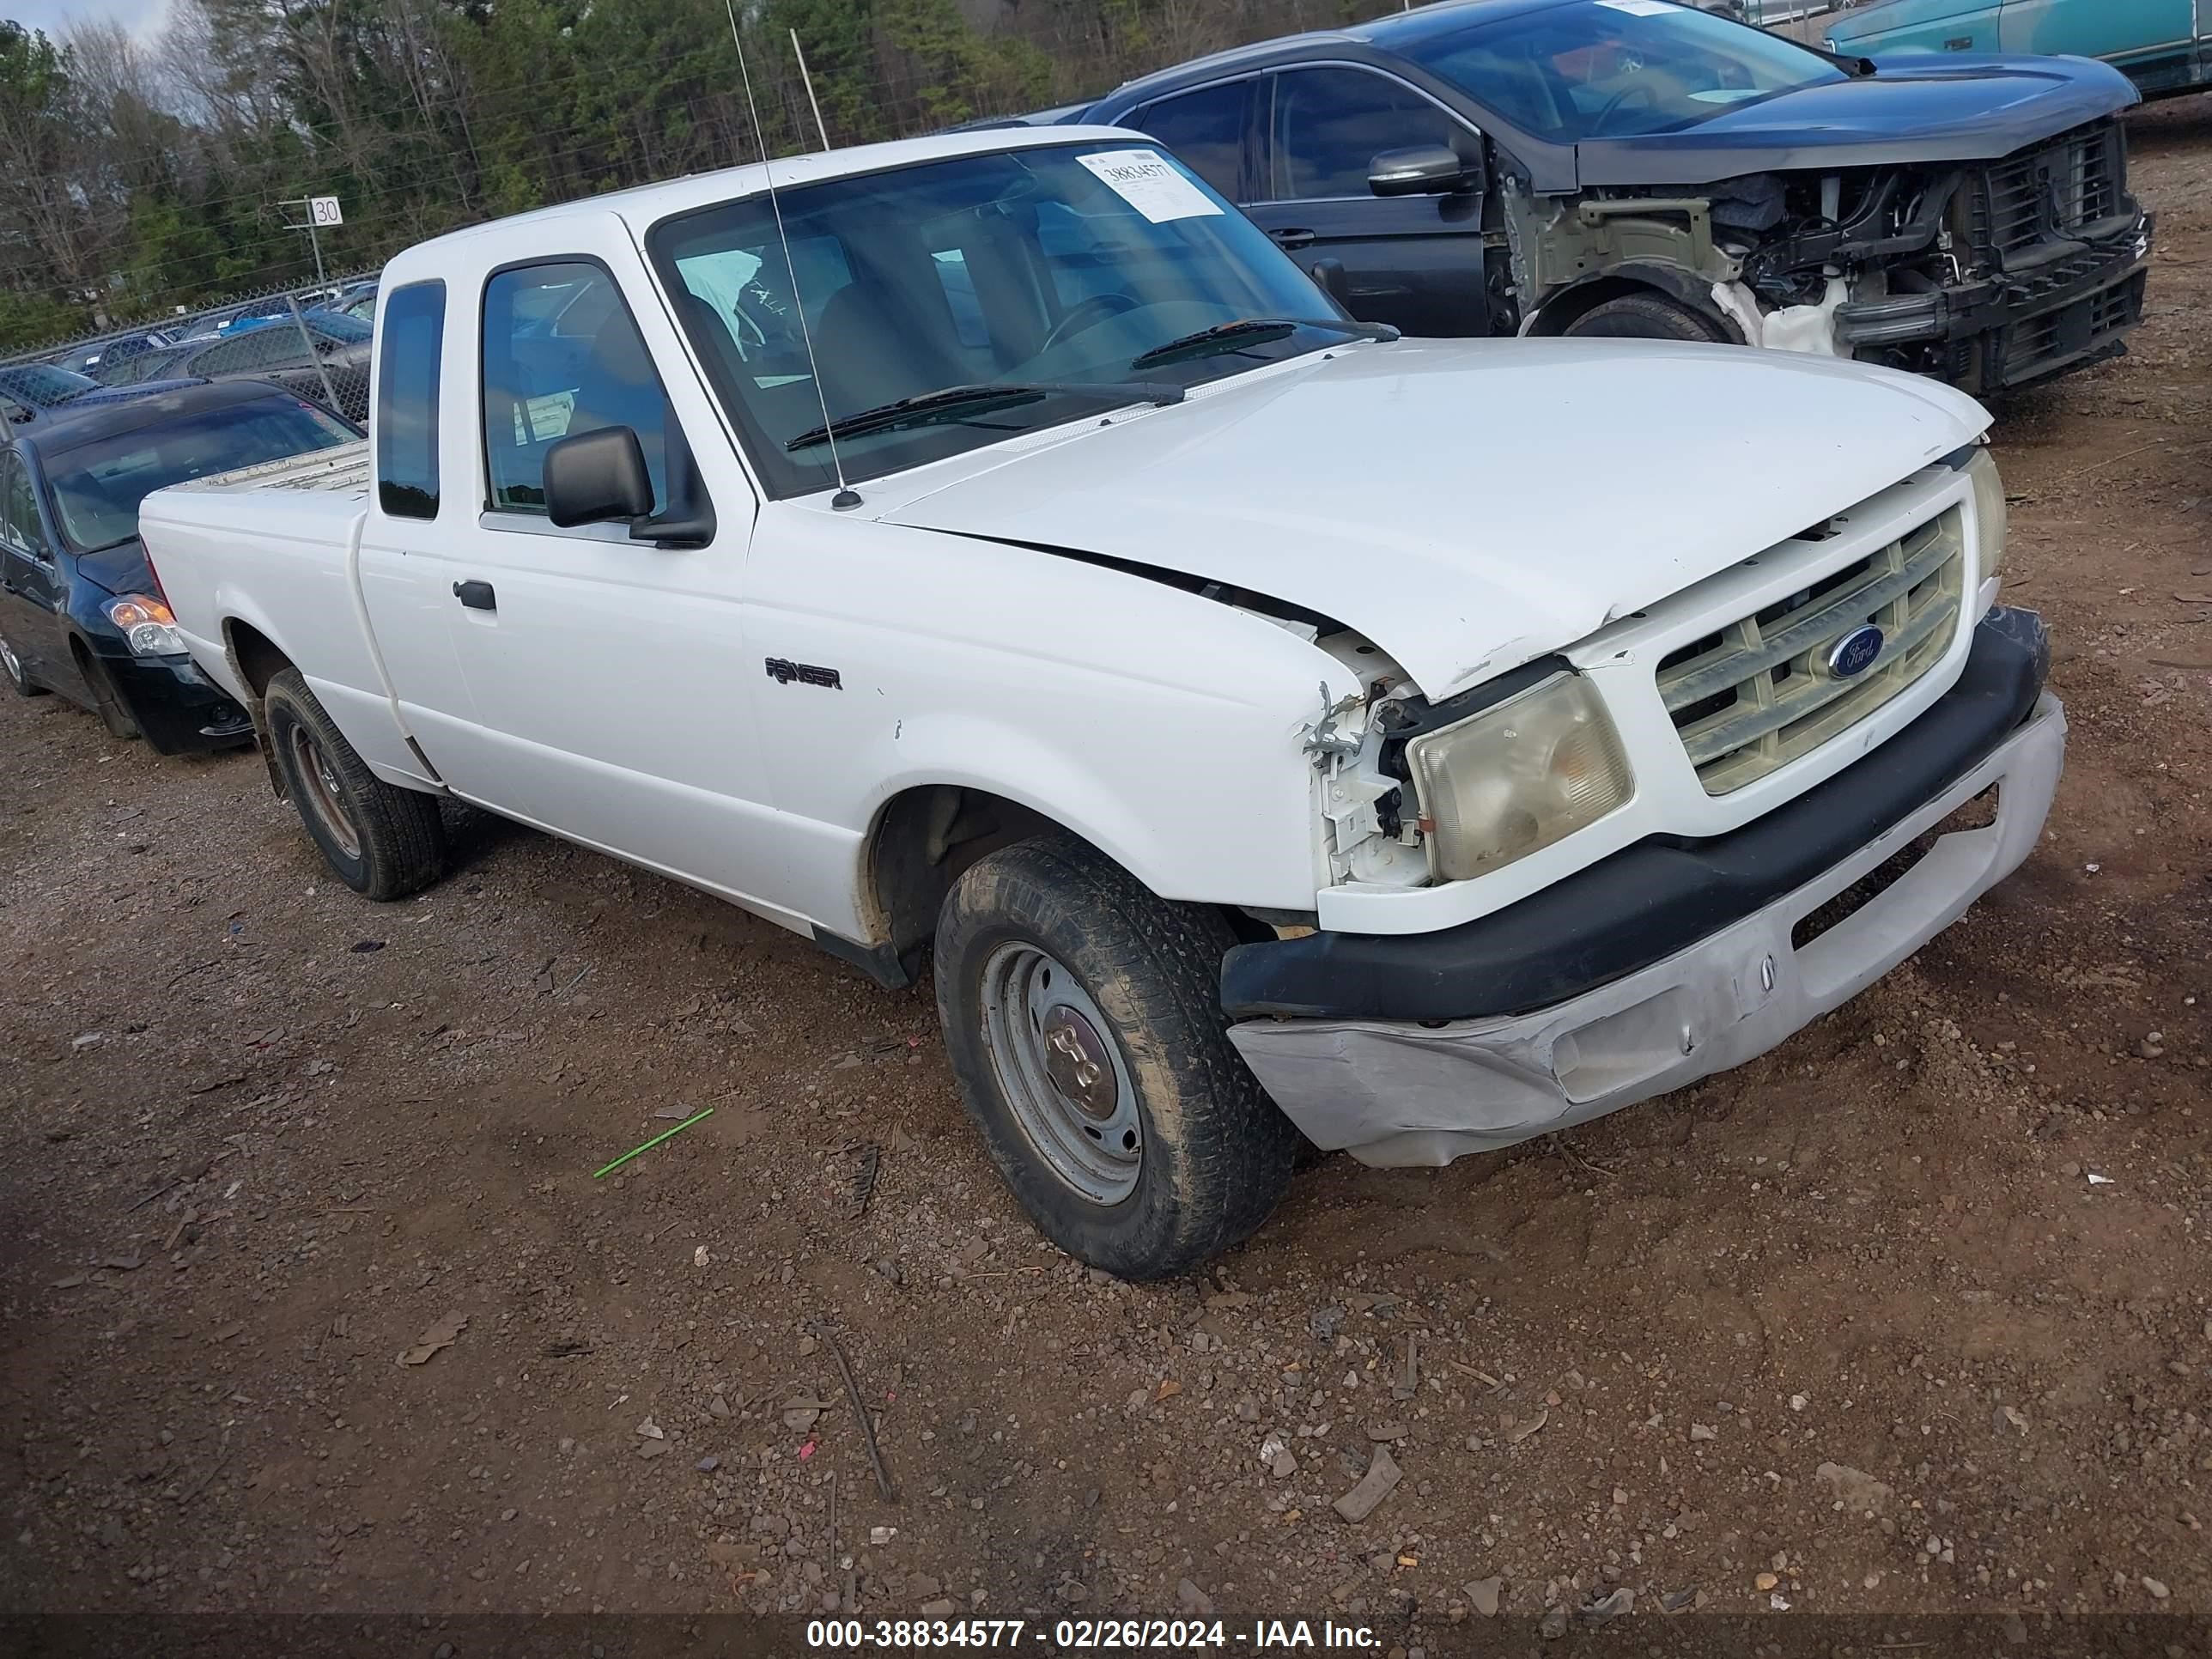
(335, 350)
(30, 392)
(81, 611)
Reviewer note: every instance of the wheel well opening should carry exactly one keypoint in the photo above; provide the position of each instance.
(925, 839)
(1681, 290)
(258, 659)
(1561, 312)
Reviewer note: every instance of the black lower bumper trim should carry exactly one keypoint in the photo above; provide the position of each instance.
(1649, 901)
(178, 709)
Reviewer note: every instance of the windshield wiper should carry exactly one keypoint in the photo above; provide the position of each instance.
(954, 403)
(1255, 330)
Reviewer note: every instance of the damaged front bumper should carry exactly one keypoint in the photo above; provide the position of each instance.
(1421, 1089)
(2071, 303)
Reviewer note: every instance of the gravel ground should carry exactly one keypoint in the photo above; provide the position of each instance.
(1909, 1318)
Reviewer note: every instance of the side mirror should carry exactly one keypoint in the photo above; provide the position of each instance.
(597, 477)
(1423, 170)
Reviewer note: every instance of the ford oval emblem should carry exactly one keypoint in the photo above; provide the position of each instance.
(1856, 653)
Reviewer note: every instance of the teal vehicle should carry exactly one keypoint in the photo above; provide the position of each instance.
(2162, 45)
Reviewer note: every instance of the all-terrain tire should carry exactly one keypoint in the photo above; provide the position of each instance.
(1216, 1154)
(1646, 317)
(384, 843)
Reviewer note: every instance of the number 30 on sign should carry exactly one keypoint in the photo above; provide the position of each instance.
(323, 210)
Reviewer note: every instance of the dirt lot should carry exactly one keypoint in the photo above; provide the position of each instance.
(258, 1138)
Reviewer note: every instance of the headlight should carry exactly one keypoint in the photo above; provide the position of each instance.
(146, 624)
(1499, 785)
(1990, 514)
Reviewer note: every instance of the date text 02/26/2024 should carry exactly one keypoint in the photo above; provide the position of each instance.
(1085, 1635)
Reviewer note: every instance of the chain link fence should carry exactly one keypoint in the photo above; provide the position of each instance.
(314, 341)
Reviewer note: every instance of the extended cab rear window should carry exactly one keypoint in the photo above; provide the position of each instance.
(413, 329)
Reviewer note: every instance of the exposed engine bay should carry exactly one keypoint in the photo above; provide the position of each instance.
(1990, 275)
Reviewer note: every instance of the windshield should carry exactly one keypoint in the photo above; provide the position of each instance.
(44, 386)
(1053, 267)
(97, 485)
(1611, 69)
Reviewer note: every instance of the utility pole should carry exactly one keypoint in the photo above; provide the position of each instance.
(799, 54)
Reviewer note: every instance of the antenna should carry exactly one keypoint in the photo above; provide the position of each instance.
(847, 497)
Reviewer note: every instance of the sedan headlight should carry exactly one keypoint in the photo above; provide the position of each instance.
(1499, 785)
(1991, 516)
(146, 625)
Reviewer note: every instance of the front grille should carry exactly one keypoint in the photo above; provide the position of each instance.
(2052, 191)
(1758, 694)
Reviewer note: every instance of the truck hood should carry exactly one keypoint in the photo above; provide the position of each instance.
(1916, 109)
(1466, 506)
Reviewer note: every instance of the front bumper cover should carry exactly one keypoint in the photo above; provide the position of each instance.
(1409, 1089)
(178, 709)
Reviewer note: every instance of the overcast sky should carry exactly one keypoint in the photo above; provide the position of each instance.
(140, 17)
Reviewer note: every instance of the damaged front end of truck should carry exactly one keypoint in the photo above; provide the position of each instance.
(1992, 274)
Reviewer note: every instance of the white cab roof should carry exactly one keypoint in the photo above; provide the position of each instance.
(648, 203)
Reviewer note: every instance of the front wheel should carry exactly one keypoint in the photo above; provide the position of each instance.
(18, 676)
(384, 843)
(1082, 1014)
(1644, 317)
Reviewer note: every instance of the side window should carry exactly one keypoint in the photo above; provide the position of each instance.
(19, 510)
(1330, 124)
(408, 356)
(561, 356)
(1206, 130)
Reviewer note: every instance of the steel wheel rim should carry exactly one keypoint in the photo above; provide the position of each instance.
(11, 661)
(320, 782)
(1061, 1073)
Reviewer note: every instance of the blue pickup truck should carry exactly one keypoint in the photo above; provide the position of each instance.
(2163, 45)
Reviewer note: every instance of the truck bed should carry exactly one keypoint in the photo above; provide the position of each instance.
(342, 471)
(271, 549)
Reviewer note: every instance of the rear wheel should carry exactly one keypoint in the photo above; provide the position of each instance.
(1083, 1016)
(1646, 317)
(384, 843)
(18, 676)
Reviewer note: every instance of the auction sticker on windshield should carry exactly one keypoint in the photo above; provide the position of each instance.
(1146, 180)
(1638, 8)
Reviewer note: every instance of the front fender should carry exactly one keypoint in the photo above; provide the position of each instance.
(1160, 725)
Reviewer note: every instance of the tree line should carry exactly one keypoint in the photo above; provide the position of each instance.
(139, 175)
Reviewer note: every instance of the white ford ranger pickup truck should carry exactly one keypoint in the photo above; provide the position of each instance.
(992, 546)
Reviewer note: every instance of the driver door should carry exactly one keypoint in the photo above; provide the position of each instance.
(614, 699)
(2152, 41)
(1415, 262)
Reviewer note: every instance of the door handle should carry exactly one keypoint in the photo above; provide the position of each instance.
(1293, 238)
(476, 595)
